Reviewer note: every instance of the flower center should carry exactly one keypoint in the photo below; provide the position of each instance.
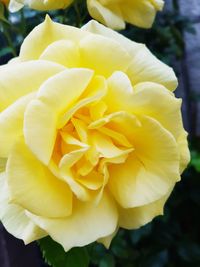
(86, 145)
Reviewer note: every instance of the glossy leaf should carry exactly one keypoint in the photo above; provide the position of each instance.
(55, 255)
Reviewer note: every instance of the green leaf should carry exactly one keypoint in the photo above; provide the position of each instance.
(137, 235)
(195, 161)
(55, 255)
(77, 257)
(5, 51)
(107, 261)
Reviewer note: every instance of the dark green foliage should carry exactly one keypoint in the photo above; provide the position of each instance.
(195, 162)
(55, 256)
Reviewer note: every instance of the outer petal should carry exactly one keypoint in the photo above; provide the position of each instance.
(143, 99)
(30, 184)
(144, 66)
(14, 218)
(16, 79)
(94, 27)
(42, 114)
(105, 15)
(11, 124)
(106, 241)
(137, 217)
(95, 51)
(86, 224)
(152, 169)
(44, 35)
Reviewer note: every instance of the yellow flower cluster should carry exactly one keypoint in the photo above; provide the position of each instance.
(112, 13)
(91, 132)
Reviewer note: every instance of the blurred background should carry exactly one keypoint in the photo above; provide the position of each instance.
(172, 240)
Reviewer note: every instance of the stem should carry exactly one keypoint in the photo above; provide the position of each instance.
(78, 15)
(9, 40)
(23, 23)
(64, 15)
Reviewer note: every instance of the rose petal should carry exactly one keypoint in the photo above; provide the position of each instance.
(64, 52)
(140, 12)
(150, 171)
(11, 123)
(20, 76)
(42, 114)
(143, 99)
(144, 66)
(95, 51)
(45, 34)
(137, 217)
(86, 224)
(105, 15)
(31, 183)
(14, 218)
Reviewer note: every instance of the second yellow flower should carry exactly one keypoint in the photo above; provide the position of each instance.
(15, 5)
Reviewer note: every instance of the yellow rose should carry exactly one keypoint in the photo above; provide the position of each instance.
(114, 13)
(91, 132)
(15, 5)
